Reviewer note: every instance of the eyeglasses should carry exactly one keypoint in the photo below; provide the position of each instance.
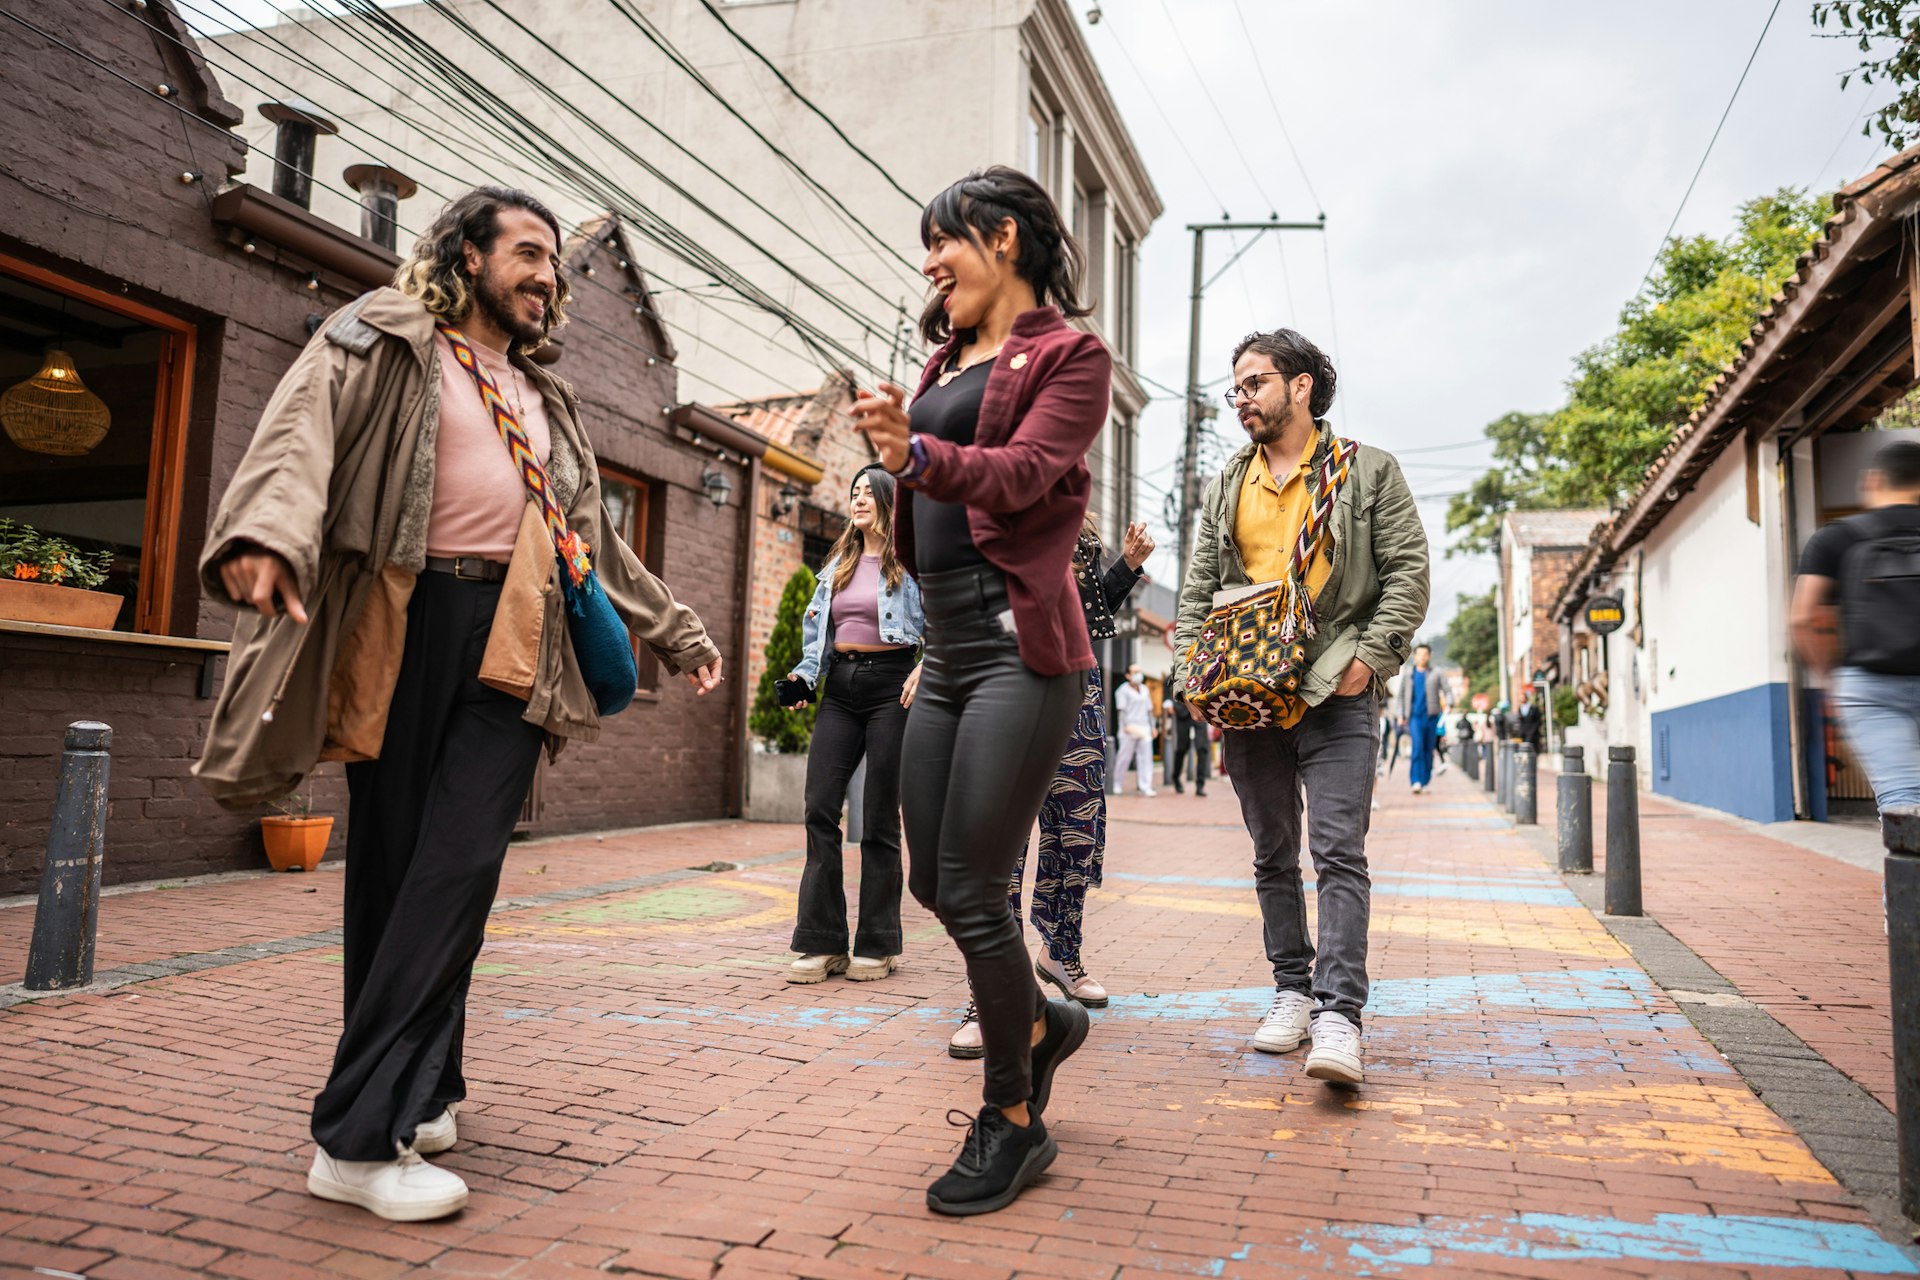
(1251, 387)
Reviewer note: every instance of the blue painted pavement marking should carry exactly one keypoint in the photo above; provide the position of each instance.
(1528, 892)
(1740, 1241)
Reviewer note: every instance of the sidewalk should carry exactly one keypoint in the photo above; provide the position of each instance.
(650, 1098)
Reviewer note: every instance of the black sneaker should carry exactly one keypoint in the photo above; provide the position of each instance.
(997, 1160)
(1067, 1025)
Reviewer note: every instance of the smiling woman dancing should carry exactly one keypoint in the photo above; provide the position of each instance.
(994, 486)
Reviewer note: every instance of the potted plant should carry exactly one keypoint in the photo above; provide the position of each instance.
(47, 579)
(295, 839)
(777, 771)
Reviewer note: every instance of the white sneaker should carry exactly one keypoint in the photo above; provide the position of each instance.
(437, 1134)
(868, 968)
(1336, 1050)
(967, 1042)
(1417, 788)
(404, 1190)
(1286, 1023)
(1148, 791)
(815, 968)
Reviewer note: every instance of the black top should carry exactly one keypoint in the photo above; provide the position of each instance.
(1825, 556)
(942, 539)
(1101, 595)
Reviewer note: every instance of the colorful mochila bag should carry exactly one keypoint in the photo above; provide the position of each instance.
(1245, 667)
(600, 642)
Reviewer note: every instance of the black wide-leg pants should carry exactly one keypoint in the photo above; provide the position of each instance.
(428, 828)
(984, 739)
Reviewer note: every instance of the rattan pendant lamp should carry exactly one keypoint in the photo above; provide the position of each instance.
(53, 412)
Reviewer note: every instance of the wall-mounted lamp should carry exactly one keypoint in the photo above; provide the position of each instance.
(717, 484)
(783, 502)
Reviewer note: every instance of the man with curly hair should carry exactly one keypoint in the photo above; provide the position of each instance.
(1334, 525)
(392, 563)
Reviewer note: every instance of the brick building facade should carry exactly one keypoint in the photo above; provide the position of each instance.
(1538, 549)
(183, 297)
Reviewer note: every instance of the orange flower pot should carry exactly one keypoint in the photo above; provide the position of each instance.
(295, 844)
(61, 606)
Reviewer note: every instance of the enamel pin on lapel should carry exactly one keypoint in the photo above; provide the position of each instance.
(1019, 361)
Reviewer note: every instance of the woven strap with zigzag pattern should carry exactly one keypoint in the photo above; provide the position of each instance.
(1333, 475)
(571, 546)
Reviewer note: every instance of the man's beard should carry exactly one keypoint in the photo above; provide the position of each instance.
(1268, 427)
(498, 302)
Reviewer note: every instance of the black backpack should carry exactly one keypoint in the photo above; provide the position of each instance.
(1880, 592)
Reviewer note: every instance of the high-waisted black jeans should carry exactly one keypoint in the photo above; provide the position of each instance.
(430, 820)
(860, 715)
(984, 738)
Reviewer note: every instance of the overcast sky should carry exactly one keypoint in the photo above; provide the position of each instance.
(1496, 178)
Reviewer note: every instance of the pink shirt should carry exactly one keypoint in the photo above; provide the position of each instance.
(856, 606)
(477, 492)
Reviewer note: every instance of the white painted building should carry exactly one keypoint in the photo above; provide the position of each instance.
(1700, 679)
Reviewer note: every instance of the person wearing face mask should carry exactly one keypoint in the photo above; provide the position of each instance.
(1073, 819)
(859, 642)
(1134, 706)
(994, 488)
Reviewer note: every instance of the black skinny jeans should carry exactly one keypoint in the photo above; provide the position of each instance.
(860, 715)
(984, 739)
(428, 830)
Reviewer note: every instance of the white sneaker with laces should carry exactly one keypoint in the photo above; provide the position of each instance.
(437, 1134)
(1072, 979)
(1336, 1050)
(404, 1190)
(815, 968)
(1286, 1023)
(967, 1042)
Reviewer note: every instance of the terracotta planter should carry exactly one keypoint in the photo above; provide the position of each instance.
(61, 606)
(295, 844)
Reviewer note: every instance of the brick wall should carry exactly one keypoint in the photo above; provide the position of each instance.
(91, 190)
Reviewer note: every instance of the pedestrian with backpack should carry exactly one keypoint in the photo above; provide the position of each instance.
(1856, 613)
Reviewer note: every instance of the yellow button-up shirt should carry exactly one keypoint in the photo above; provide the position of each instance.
(1268, 518)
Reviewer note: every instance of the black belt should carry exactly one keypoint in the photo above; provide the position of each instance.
(873, 655)
(468, 568)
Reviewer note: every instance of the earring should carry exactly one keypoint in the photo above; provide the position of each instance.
(999, 255)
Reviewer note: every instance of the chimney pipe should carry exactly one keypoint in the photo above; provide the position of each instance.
(381, 191)
(300, 125)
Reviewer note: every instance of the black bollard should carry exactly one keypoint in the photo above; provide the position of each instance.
(1623, 833)
(1900, 828)
(1488, 768)
(1470, 759)
(1526, 787)
(61, 953)
(1506, 776)
(1575, 811)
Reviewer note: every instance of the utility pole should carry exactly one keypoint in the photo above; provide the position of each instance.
(1190, 454)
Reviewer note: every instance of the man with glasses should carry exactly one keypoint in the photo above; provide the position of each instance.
(1367, 581)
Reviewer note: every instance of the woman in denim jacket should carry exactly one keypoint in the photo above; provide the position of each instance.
(859, 657)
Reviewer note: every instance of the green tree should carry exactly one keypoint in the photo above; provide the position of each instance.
(1629, 393)
(1566, 707)
(1473, 641)
(784, 729)
(1888, 32)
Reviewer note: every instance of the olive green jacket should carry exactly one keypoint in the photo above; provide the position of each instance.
(1376, 595)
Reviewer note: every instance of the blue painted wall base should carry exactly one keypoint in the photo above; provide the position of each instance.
(1730, 753)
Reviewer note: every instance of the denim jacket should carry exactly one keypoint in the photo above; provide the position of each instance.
(902, 621)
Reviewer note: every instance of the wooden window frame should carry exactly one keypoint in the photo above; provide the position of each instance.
(167, 460)
(644, 661)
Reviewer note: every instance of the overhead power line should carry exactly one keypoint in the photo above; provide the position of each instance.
(1701, 167)
(1266, 83)
(807, 102)
(1179, 139)
(1273, 209)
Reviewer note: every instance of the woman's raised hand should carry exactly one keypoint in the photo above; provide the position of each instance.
(883, 416)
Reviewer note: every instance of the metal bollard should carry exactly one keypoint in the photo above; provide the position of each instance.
(61, 953)
(1470, 759)
(1488, 782)
(1506, 776)
(1526, 787)
(1575, 812)
(1623, 833)
(1900, 829)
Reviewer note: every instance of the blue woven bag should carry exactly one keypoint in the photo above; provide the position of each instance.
(600, 644)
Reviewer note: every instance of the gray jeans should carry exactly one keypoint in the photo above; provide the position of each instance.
(1330, 756)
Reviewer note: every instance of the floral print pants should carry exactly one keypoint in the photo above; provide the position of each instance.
(1073, 832)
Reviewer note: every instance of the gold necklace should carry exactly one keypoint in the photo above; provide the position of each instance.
(951, 374)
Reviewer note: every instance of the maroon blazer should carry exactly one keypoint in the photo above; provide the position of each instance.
(1024, 478)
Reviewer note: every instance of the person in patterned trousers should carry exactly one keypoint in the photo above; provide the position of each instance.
(1073, 817)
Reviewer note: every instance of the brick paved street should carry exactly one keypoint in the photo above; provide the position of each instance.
(649, 1097)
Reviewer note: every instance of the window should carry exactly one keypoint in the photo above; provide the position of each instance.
(1123, 305)
(629, 508)
(1039, 144)
(122, 495)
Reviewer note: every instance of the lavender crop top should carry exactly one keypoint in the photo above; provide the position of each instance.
(856, 606)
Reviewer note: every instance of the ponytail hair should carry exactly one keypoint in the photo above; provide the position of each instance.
(1050, 259)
